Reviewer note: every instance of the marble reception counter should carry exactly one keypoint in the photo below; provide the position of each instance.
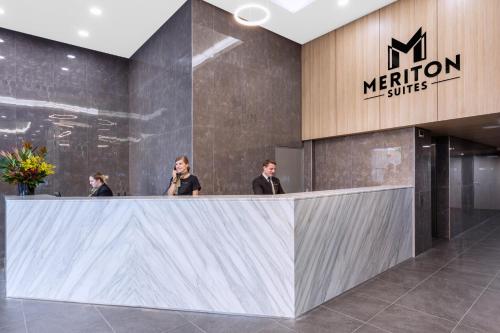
(258, 255)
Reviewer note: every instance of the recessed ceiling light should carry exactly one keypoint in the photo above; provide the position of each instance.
(70, 56)
(96, 11)
(65, 69)
(83, 33)
(2, 57)
(293, 6)
(342, 3)
(252, 7)
(1, 40)
(2, 11)
(4, 117)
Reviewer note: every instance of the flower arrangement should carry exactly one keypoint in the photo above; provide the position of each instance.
(26, 167)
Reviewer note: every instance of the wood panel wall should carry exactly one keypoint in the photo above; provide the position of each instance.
(357, 53)
(473, 28)
(319, 87)
(401, 21)
(338, 63)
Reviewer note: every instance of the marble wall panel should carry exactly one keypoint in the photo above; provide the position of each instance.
(423, 189)
(444, 197)
(381, 158)
(64, 103)
(471, 179)
(246, 99)
(160, 99)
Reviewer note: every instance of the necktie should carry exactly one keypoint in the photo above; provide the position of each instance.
(272, 186)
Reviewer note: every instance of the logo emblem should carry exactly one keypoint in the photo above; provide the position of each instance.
(414, 79)
(418, 43)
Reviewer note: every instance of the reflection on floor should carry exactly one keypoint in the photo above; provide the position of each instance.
(455, 287)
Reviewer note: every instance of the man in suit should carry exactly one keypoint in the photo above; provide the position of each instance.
(266, 183)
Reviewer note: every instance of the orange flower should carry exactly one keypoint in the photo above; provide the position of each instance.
(27, 145)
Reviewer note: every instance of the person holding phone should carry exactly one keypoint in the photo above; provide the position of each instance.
(182, 182)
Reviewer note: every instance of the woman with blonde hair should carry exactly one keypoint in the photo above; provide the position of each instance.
(99, 186)
(182, 182)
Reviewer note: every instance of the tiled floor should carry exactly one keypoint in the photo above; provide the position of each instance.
(455, 287)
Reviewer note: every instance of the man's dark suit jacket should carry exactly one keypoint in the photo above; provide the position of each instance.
(260, 185)
(103, 191)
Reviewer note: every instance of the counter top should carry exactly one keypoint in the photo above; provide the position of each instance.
(275, 256)
(289, 196)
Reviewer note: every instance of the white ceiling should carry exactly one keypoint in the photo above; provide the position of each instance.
(318, 18)
(126, 24)
(121, 29)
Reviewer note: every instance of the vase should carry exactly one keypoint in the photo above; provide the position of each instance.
(25, 189)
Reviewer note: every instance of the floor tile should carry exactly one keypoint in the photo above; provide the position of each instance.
(418, 266)
(56, 317)
(465, 329)
(437, 257)
(2, 288)
(476, 279)
(11, 312)
(322, 320)
(370, 329)
(495, 284)
(485, 314)
(357, 305)
(399, 319)
(382, 289)
(188, 328)
(486, 260)
(404, 277)
(55, 325)
(492, 253)
(463, 265)
(124, 319)
(216, 323)
(455, 245)
(276, 328)
(443, 298)
(15, 328)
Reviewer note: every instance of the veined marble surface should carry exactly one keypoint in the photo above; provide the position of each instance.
(287, 196)
(344, 240)
(272, 256)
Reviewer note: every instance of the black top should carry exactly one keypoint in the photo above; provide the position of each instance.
(261, 185)
(103, 191)
(188, 185)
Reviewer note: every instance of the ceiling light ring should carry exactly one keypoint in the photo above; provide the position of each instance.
(265, 10)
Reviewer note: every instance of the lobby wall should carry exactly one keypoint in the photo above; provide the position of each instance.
(80, 114)
(359, 52)
(468, 189)
(371, 159)
(246, 99)
(161, 104)
(391, 157)
(473, 179)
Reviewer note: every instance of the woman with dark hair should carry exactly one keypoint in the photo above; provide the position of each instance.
(99, 186)
(182, 182)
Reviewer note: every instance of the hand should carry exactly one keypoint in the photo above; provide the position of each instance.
(174, 176)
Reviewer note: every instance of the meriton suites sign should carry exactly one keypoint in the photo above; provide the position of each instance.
(414, 79)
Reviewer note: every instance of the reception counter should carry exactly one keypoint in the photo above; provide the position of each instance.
(255, 255)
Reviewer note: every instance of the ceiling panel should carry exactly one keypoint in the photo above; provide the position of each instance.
(125, 25)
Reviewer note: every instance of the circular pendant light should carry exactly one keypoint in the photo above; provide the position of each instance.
(252, 7)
